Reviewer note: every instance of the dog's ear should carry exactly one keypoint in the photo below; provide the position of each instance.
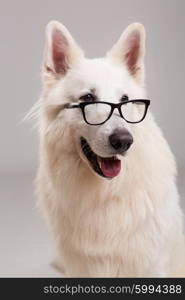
(130, 50)
(61, 51)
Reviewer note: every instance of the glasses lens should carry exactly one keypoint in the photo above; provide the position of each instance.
(133, 111)
(97, 113)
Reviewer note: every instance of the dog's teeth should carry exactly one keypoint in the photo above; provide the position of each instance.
(99, 162)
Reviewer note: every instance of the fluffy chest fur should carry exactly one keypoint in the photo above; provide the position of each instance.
(121, 222)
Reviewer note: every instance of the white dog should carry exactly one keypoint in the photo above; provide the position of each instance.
(106, 181)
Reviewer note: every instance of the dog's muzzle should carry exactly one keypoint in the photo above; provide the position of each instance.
(108, 167)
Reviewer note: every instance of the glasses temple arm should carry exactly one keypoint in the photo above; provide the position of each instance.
(71, 105)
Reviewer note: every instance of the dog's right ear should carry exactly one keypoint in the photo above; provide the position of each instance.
(61, 51)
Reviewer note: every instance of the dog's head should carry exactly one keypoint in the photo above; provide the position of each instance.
(99, 133)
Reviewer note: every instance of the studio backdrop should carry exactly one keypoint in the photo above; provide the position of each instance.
(96, 26)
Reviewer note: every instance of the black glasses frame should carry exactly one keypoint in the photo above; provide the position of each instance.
(82, 105)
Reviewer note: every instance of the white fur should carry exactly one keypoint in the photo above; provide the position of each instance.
(130, 225)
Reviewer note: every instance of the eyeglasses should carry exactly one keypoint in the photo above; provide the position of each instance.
(98, 112)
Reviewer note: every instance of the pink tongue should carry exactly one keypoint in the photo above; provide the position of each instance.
(110, 166)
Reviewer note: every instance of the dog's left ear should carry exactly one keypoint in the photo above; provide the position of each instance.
(130, 50)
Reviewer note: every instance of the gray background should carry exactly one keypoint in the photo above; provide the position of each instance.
(96, 25)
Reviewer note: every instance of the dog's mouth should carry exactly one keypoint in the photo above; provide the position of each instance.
(107, 167)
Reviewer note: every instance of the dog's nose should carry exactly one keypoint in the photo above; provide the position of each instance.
(121, 140)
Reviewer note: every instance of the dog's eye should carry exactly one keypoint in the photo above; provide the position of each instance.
(124, 98)
(87, 97)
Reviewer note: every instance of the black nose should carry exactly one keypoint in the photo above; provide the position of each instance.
(121, 140)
